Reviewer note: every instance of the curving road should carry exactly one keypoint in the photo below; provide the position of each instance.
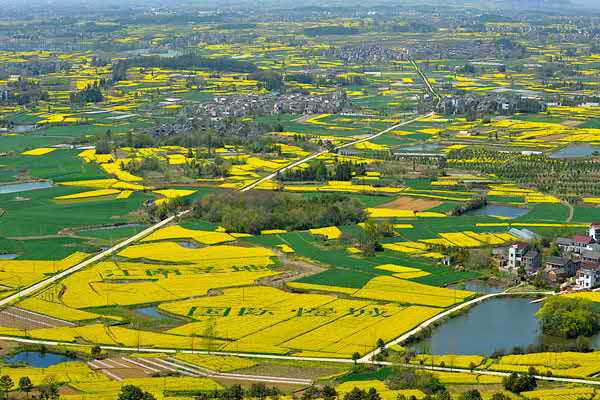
(369, 357)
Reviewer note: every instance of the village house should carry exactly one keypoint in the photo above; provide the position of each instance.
(558, 270)
(577, 244)
(588, 275)
(594, 231)
(590, 256)
(517, 256)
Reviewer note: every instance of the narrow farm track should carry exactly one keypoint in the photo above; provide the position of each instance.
(320, 153)
(55, 278)
(110, 367)
(425, 79)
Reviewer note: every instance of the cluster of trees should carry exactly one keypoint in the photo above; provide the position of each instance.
(271, 80)
(570, 178)
(255, 211)
(23, 91)
(47, 391)
(569, 317)
(517, 383)
(413, 26)
(508, 48)
(198, 168)
(91, 94)
(472, 205)
(411, 378)
(330, 30)
(32, 68)
(145, 164)
(315, 392)
(257, 391)
(318, 171)
(187, 61)
(131, 392)
(368, 239)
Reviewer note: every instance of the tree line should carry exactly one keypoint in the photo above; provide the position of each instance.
(569, 317)
(187, 61)
(255, 211)
(318, 171)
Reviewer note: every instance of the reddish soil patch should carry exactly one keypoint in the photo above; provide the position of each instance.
(411, 203)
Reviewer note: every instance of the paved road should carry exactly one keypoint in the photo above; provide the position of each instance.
(400, 339)
(430, 88)
(55, 278)
(320, 153)
(279, 357)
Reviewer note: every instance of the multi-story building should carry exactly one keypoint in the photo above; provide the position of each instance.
(521, 255)
(588, 276)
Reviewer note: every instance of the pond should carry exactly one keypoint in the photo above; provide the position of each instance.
(37, 359)
(422, 148)
(501, 211)
(188, 244)
(576, 150)
(22, 128)
(24, 187)
(9, 256)
(498, 324)
(150, 311)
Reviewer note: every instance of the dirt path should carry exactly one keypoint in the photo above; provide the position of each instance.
(571, 211)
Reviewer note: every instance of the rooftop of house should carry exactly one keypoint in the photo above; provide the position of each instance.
(564, 241)
(557, 261)
(591, 254)
(589, 266)
(583, 239)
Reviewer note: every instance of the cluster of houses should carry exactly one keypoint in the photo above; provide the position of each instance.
(577, 266)
(251, 105)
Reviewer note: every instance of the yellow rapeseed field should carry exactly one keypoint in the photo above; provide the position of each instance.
(38, 152)
(179, 232)
(329, 232)
(89, 194)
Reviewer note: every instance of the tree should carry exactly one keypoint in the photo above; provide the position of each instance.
(50, 389)
(372, 394)
(6, 384)
(471, 395)
(310, 393)
(355, 357)
(519, 383)
(328, 393)
(103, 147)
(96, 351)
(443, 395)
(25, 385)
(569, 317)
(131, 392)
(409, 378)
(361, 394)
